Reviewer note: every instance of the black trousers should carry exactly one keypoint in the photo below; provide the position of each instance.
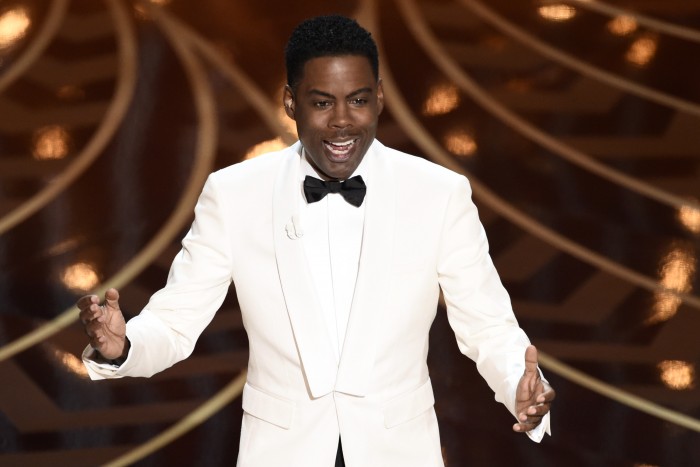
(339, 459)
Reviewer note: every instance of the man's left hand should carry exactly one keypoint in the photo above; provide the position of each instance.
(533, 397)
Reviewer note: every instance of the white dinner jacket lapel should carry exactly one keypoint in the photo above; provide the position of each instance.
(305, 313)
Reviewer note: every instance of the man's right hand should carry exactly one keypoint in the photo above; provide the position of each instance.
(104, 324)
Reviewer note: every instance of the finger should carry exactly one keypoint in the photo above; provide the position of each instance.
(539, 410)
(86, 300)
(526, 389)
(547, 396)
(531, 359)
(534, 413)
(96, 312)
(85, 316)
(112, 298)
(522, 427)
(90, 313)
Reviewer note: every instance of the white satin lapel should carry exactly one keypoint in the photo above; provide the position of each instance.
(370, 299)
(304, 309)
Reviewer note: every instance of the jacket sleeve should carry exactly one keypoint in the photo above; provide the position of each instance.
(478, 307)
(167, 329)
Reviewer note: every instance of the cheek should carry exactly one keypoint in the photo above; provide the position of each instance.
(367, 120)
(310, 128)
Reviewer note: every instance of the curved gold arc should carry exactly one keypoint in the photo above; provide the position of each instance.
(124, 91)
(222, 398)
(54, 18)
(252, 93)
(177, 31)
(403, 115)
(670, 29)
(508, 28)
(611, 392)
(449, 67)
(204, 162)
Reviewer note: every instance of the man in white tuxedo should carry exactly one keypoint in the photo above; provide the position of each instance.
(338, 248)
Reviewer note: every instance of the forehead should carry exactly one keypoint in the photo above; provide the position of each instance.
(337, 72)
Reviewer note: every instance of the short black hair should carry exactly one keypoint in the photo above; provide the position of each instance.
(327, 36)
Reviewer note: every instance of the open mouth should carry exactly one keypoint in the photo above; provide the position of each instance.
(340, 149)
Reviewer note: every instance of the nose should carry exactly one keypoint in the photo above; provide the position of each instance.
(340, 117)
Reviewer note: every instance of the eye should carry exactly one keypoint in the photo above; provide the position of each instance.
(358, 101)
(322, 104)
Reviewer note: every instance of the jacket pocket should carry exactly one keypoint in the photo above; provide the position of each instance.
(409, 405)
(267, 407)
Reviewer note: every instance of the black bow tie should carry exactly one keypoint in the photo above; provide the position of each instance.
(353, 189)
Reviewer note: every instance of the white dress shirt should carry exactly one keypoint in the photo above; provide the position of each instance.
(332, 242)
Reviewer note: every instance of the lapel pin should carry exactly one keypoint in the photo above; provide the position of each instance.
(293, 228)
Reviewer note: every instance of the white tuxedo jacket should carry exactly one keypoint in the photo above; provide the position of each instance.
(421, 234)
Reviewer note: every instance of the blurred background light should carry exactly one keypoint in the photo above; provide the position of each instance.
(80, 277)
(14, 25)
(460, 143)
(677, 375)
(51, 142)
(622, 25)
(557, 12)
(689, 217)
(442, 99)
(70, 92)
(642, 51)
(677, 270)
(266, 146)
(68, 361)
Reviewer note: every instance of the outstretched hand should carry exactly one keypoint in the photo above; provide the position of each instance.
(104, 324)
(533, 397)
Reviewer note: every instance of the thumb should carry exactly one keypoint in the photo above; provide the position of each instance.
(112, 298)
(531, 359)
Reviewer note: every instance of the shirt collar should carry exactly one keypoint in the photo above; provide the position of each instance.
(363, 169)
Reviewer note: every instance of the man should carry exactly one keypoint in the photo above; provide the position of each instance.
(338, 247)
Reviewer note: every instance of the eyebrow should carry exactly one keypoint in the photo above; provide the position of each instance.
(331, 96)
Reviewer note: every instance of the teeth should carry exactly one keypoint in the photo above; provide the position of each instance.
(346, 143)
(340, 149)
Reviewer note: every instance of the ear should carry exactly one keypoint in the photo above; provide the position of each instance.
(380, 96)
(288, 100)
